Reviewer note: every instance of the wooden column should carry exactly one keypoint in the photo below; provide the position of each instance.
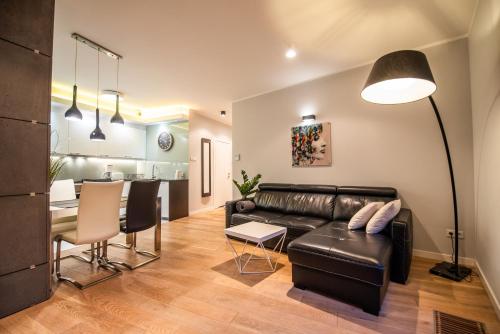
(26, 33)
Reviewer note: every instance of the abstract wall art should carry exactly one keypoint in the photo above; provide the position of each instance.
(311, 145)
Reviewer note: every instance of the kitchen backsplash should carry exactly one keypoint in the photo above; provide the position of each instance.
(78, 168)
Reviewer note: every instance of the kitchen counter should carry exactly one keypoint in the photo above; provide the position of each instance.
(174, 195)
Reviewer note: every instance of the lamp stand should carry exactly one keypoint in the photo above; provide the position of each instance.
(452, 271)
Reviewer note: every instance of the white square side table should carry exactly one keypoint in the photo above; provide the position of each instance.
(257, 233)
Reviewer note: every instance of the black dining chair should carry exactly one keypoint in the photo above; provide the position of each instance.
(141, 214)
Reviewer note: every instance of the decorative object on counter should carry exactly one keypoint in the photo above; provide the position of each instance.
(117, 118)
(405, 76)
(245, 206)
(97, 134)
(311, 145)
(166, 141)
(206, 167)
(73, 113)
(248, 186)
(55, 166)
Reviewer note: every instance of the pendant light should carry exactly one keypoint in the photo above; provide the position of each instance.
(73, 113)
(117, 118)
(97, 134)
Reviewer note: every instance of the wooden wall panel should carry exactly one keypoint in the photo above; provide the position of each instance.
(25, 84)
(24, 239)
(24, 152)
(28, 23)
(24, 288)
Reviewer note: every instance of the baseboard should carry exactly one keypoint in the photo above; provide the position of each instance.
(194, 212)
(470, 262)
(489, 290)
(443, 257)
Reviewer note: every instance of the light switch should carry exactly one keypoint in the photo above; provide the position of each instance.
(237, 157)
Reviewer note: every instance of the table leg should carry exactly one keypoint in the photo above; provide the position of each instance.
(158, 226)
(130, 239)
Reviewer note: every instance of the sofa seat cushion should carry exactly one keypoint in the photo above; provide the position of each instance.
(256, 215)
(298, 225)
(335, 249)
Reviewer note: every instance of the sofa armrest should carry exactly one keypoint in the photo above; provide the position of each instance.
(230, 209)
(402, 246)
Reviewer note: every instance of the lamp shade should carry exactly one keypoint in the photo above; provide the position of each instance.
(97, 134)
(117, 118)
(73, 113)
(399, 77)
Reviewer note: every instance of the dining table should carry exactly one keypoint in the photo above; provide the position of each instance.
(62, 211)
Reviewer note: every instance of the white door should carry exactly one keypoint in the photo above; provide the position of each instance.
(222, 173)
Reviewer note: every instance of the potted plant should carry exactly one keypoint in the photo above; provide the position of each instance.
(55, 166)
(248, 186)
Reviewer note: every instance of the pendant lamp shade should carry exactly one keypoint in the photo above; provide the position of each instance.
(97, 134)
(73, 113)
(399, 77)
(117, 118)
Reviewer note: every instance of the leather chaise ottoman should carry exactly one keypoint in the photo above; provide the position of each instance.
(349, 265)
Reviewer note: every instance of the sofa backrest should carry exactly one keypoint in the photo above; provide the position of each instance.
(351, 199)
(305, 200)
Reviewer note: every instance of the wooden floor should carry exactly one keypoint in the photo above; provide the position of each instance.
(195, 288)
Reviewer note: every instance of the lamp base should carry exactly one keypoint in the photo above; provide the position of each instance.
(450, 271)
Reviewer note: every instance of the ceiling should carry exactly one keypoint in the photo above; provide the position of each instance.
(204, 55)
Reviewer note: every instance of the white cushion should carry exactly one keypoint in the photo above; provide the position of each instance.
(361, 218)
(383, 216)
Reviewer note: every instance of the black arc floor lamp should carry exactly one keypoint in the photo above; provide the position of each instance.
(402, 77)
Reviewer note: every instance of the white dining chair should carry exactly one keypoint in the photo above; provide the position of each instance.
(97, 221)
(62, 190)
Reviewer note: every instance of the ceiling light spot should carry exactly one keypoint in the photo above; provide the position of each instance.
(291, 53)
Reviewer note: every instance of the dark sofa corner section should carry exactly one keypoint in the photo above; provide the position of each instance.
(326, 256)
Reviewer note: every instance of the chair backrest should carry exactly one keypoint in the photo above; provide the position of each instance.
(62, 190)
(141, 205)
(98, 211)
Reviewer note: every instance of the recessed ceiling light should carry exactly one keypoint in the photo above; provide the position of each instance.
(291, 53)
(223, 113)
(110, 95)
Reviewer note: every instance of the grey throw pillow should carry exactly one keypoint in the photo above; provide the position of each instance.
(245, 206)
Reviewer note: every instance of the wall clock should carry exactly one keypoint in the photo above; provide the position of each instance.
(165, 141)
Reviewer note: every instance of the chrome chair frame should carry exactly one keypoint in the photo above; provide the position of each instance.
(133, 246)
(102, 261)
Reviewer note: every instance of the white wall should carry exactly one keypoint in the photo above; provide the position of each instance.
(374, 145)
(202, 127)
(484, 49)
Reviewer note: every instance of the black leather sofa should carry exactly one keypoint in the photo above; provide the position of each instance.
(326, 256)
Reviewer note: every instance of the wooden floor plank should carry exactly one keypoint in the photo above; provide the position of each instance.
(196, 288)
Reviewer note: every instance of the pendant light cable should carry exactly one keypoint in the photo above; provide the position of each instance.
(117, 72)
(76, 56)
(98, 51)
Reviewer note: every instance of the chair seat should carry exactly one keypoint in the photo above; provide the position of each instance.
(62, 228)
(69, 237)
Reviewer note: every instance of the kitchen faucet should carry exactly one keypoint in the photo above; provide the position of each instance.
(153, 172)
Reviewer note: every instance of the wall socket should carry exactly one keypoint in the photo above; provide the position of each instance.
(452, 231)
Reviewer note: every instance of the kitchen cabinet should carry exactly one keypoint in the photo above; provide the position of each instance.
(79, 137)
(59, 131)
(127, 141)
(163, 192)
(72, 137)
